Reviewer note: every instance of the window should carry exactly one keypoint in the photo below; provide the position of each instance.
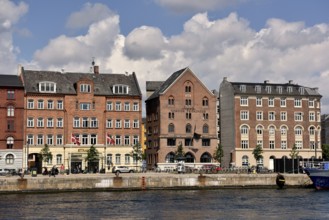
(205, 116)
(283, 131)
(298, 131)
(171, 142)
(271, 102)
(301, 90)
(268, 89)
(30, 139)
(50, 122)
(109, 106)
(259, 101)
(188, 89)
(10, 125)
(259, 130)
(312, 116)
(50, 140)
(85, 122)
(59, 139)
(126, 123)
(245, 161)
(118, 106)
(10, 111)
(205, 102)
(258, 89)
(50, 104)
(188, 128)
(59, 104)
(188, 142)
(279, 89)
(40, 139)
(84, 139)
(171, 101)
(311, 103)
(283, 102)
(271, 116)
(118, 123)
(127, 140)
(271, 130)
(85, 106)
(30, 104)
(171, 115)
(109, 159)
(205, 129)
(135, 106)
(109, 123)
(93, 122)
(259, 115)
(289, 89)
(10, 94)
(135, 139)
(40, 122)
(40, 104)
(136, 123)
(117, 140)
(85, 88)
(127, 158)
(298, 116)
(10, 142)
(243, 88)
(93, 139)
(244, 115)
(312, 145)
(283, 116)
(188, 102)
(244, 144)
(188, 115)
(120, 89)
(30, 122)
(244, 130)
(283, 144)
(171, 128)
(59, 122)
(298, 102)
(118, 159)
(205, 142)
(10, 159)
(272, 144)
(76, 122)
(59, 159)
(299, 145)
(312, 131)
(244, 101)
(47, 87)
(127, 106)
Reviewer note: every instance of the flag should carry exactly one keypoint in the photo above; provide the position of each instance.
(109, 139)
(75, 139)
(196, 136)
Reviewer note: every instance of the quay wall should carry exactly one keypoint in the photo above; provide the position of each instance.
(145, 181)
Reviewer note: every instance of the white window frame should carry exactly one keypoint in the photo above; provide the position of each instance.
(244, 115)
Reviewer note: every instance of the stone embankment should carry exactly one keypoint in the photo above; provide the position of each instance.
(145, 181)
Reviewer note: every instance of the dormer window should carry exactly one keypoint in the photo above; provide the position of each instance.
(268, 89)
(301, 90)
(243, 88)
(258, 89)
(279, 89)
(85, 88)
(289, 89)
(120, 89)
(47, 87)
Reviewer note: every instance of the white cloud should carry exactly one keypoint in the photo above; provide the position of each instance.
(180, 6)
(89, 14)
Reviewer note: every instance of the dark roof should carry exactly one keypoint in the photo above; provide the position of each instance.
(153, 85)
(10, 81)
(66, 81)
(167, 83)
(250, 89)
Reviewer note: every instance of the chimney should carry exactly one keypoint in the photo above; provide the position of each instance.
(96, 70)
(290, 81)
(266, 81)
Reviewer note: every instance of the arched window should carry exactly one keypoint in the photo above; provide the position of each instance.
(189, 158)
(259, 130)
(170, 158)
(244, 130)
(10, 142)
(10, 111)
(271, 130)
(171, 128)
(312, 130)
(283, 131)
(245, 160)
(188, 128)
(10, 159)
(188, 89)
(298, 131)
(205, 158)
(171, 100)
(205, 102)
(260, 161)
(205, 129)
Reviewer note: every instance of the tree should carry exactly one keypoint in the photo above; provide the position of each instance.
(293, 154)
(45, 153)
(219, 153)
(92, 156)
(257, 152)
(325, 151)
(137, 153)
(179, 153)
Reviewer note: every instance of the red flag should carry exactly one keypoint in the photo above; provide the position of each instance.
(109, 139)
(75, 140)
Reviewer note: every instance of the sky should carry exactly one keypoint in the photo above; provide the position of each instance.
(243, 40)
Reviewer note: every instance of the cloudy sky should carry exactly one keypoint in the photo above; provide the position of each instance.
(245, 40)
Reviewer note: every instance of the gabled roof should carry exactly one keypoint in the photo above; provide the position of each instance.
(10, 81)
(66, 82)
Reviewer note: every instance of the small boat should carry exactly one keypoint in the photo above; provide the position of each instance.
(320, 175)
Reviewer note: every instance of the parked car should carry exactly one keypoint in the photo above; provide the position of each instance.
(210, 168)
(122, 169)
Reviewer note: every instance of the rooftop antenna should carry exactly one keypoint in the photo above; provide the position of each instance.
(92, 65)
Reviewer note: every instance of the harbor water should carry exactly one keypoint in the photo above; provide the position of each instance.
(169, 204)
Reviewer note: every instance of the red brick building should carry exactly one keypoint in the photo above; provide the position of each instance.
(180, 111)
(70, 112)
(11, 117)
(274, 116)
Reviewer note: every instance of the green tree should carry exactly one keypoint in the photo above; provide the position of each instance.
(92, 157)
(219, 153)
(137, 153)
(45, 153)
(257, 152)
(293, 154)
(179, 153)
(325, 151)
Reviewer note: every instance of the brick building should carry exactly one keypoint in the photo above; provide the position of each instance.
(70, 112)
(274, 116)
(11, 115)
(180, 111)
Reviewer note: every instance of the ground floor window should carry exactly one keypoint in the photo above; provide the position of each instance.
(205, 142)
(205, 158)
(170, 158)
(10, 159)
(245, 161)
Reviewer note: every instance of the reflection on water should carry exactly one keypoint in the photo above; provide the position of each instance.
(169, 204)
